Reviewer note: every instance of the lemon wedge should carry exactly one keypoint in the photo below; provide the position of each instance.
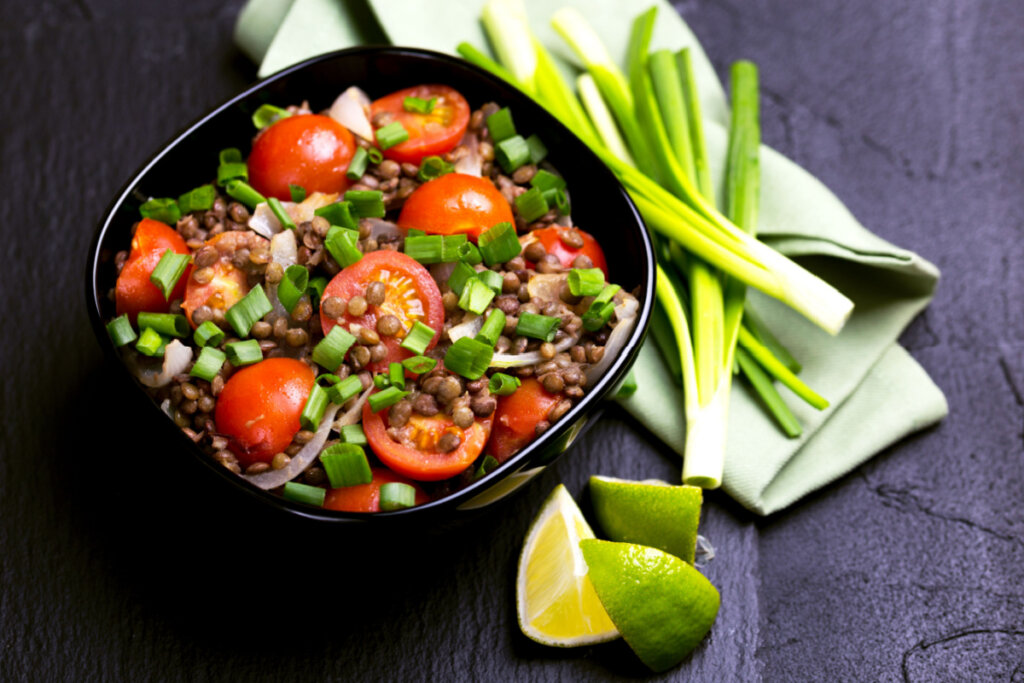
(555, 600)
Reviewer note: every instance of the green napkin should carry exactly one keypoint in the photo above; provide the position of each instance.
(878, 393)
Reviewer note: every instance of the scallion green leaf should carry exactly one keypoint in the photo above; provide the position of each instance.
(461, 274)
(500, 125)
(433, 167)
(353, 434)
(150, 342)
(397, 496)
(538, 152)
(396, 375)
(346, 465)
(487, 465)
(230, 155)
(470, 253)
(164, 210)
(168, 271)
(292, 286)
(512, 153)
(419, 105)
(280, 213)
(500, 243)
(588, 282)
(208, 334)
(208, 364)
(501, 384)
(537, 326)
(297, 192)
(245, 193)
(357, 167)
(366, 203)
(340, 214)
(469, 357)
(386, 398)
(419, 365)
(418, 338)
(545, 180)
(199, 199)
(330, 352)
(120, 331)
(531, 205)
(304, 493)
(375, 156)
(268, 114)
(491, 279)
(492, 327)
(244, 352)
(346, 389)
(381, 381)
(314, 409)
(341, 245)
(426, 250)
(476, 296)
(251, 308)
(167, 324)
(390, 135)
(233, 171)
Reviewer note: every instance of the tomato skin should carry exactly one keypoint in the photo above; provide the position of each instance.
(553, 244)
(424, 465)
(455, 203)
(405, 272)
(366, 497)
(259, 408)
(517, 416)
(134, 292)
(429, 134)
(310, 150)
(229, 284)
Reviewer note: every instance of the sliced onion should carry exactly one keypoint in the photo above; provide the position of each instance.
(546, 286)
(177, 356)
(284, 249)
(263, 221)
(442, 272)
(516, 360)
(472, 163)
(467, 328)
(352, 110)
(301, 460)
(382, 228)
(353, 414)
(625, 314)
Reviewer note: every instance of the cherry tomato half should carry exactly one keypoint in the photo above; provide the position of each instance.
(517, 416)
(410, 295)
(259, 408)
(220, 285)
(455, 203)
(134, 292)
(309, 150)
(366, 497)
(553, 244)
(416, 455)
(429, 134)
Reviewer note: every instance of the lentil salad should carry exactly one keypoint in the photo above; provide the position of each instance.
(407, 349)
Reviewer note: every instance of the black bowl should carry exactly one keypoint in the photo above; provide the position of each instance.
(600, 206)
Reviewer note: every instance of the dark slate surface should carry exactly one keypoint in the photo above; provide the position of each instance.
(116, 567)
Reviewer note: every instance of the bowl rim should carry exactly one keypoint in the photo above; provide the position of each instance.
(452, 502)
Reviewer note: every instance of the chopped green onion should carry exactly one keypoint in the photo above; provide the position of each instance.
(366, 203)
(469, 357)
(427, 249)
(598, 315)
(512, 153)
(588, 282)
(314, 409)
(499, 244)
(375, 156)
(396, 375)
(164, 210)
(150, 342)
(538, 152)
(419, 105)
(397, 496)
(340, 214)
(531, 205)
(381, 381)
(330, 351)
(606, 294)
(208, 334)
(414, 232)
(357, 167)
(418, 338)
(386, 398)
(461, 274)
(537, 326)
(341, 245)
(292, 286)
(120, 331)
(268, 114)
(243, 192)
(344, 390)
(546, 180)
(168, 271)
(244, 352)
(353, 434)
(282, 215)
(208, 364)
(476, 297)
(501, 384)
(346, 465)
(487, 466)
(390, 135)
(199, 199)
(492, 327)
(491, 279)
(470, 253)
(558, 199)
(419, 365)
(433, 167)
(450, 246)
(500, 125)
(233, 171)
(316, 290)
(304, 493)
(297, 192)
(230, 155)
(167, 324)
(251, 308)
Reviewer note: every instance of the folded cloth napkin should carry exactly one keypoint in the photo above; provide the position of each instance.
(878, 393)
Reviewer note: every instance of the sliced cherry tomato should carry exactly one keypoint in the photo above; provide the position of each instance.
(410, 295)
(416, 455)
(309, 150)
(259, 408)
(226, 284)
(455, 203)
(517, 416)
(429, 134)
(366, 497)
(553, 244)
(134, 292)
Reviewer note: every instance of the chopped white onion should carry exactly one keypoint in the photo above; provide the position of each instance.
(284, 249)
(382, 228)
(263, 221)
(352, 110)
(467, 328)
(353, 414)
(516, 360)
(545, 286)
(301, 460)
(472, 163)
(177, 356)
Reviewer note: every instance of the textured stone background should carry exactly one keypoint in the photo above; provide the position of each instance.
(115, 566)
